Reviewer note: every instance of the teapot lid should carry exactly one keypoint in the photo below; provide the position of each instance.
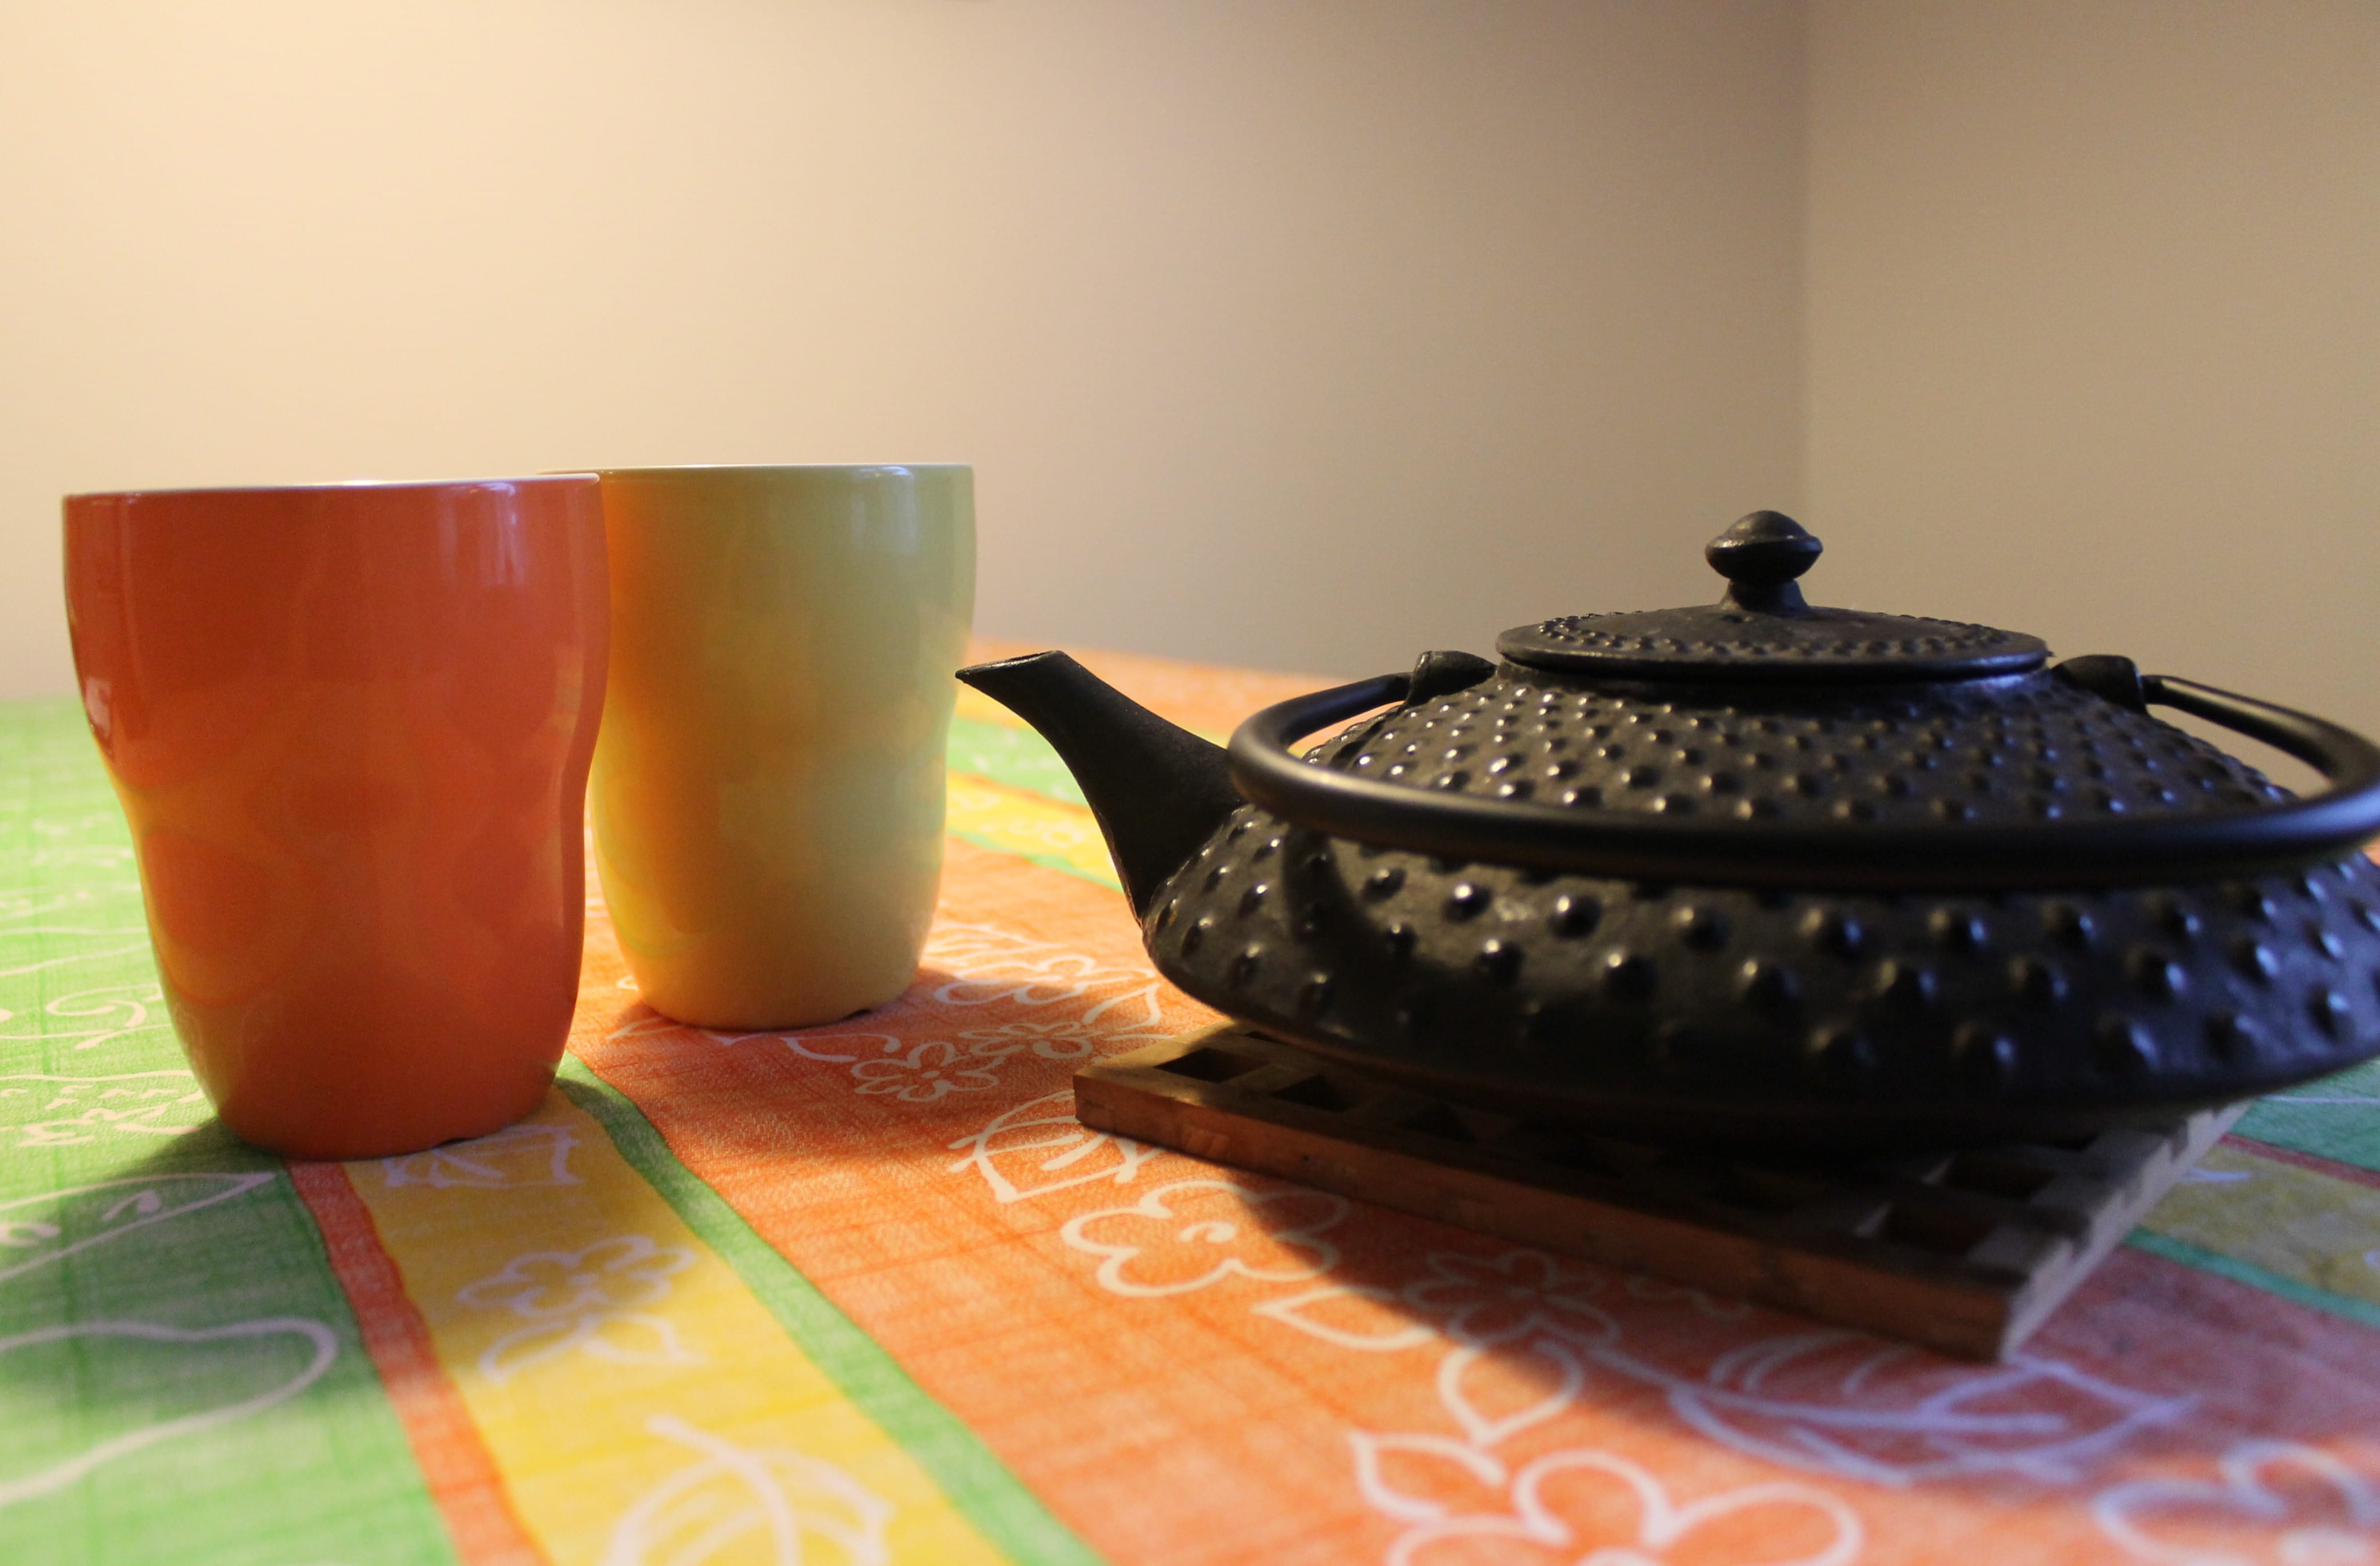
(1762, 630)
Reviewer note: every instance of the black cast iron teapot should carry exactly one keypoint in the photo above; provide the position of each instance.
(1755, 872)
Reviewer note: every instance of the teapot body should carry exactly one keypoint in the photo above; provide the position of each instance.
(1821, 1019)
(1756, 872)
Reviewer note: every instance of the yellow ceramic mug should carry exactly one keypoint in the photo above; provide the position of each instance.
(767, 784)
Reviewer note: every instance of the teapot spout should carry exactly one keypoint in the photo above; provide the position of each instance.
(1158, 791)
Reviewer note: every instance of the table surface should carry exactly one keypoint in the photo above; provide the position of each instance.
(867, 1292)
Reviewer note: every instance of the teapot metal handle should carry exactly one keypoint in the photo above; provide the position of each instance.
(1887, 856)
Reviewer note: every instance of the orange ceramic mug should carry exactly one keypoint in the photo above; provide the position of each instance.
(350, 726)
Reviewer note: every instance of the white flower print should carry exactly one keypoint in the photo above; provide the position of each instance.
(1496, 1300)
(1050, 1040)
(929, 1070)
(2277, 1502)
(1590, 1508)
(586, 1300)
(1193, 1233)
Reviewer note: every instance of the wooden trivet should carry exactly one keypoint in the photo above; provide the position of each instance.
(1964, 1252)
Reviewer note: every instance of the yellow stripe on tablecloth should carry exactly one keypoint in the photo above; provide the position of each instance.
(1011, 820)
(974, 704)
(641, 1404)
(2296, 1223)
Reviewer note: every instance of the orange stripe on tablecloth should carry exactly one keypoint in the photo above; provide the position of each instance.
(2313, 1161)
(1197, 1429)
(455, 1464)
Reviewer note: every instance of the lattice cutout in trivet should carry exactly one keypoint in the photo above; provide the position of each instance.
(1963, 1252)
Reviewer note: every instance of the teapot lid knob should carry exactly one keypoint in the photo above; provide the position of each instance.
(1763, 631)
(1760, 556)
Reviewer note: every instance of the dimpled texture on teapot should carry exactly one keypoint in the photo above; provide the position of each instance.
(2027, 748)
(1724, 643)
(1919, 1008)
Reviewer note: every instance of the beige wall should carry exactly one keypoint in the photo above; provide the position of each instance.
(2095, 327)
(1285, 332)
(1282, 332)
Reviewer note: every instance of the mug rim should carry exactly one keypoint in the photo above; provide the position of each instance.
(739, 469)
(343, 486)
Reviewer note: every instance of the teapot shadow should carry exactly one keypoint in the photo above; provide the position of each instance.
(2115, 1385)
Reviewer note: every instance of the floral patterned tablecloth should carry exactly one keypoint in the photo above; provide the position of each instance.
(867, 1292)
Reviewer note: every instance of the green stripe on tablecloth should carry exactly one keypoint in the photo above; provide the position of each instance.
(1104, 876)
(1017, 756)
(180, 1376)
(2304, 1221)
(2362, 1311)
(977, 1482)
(2337, 1117)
